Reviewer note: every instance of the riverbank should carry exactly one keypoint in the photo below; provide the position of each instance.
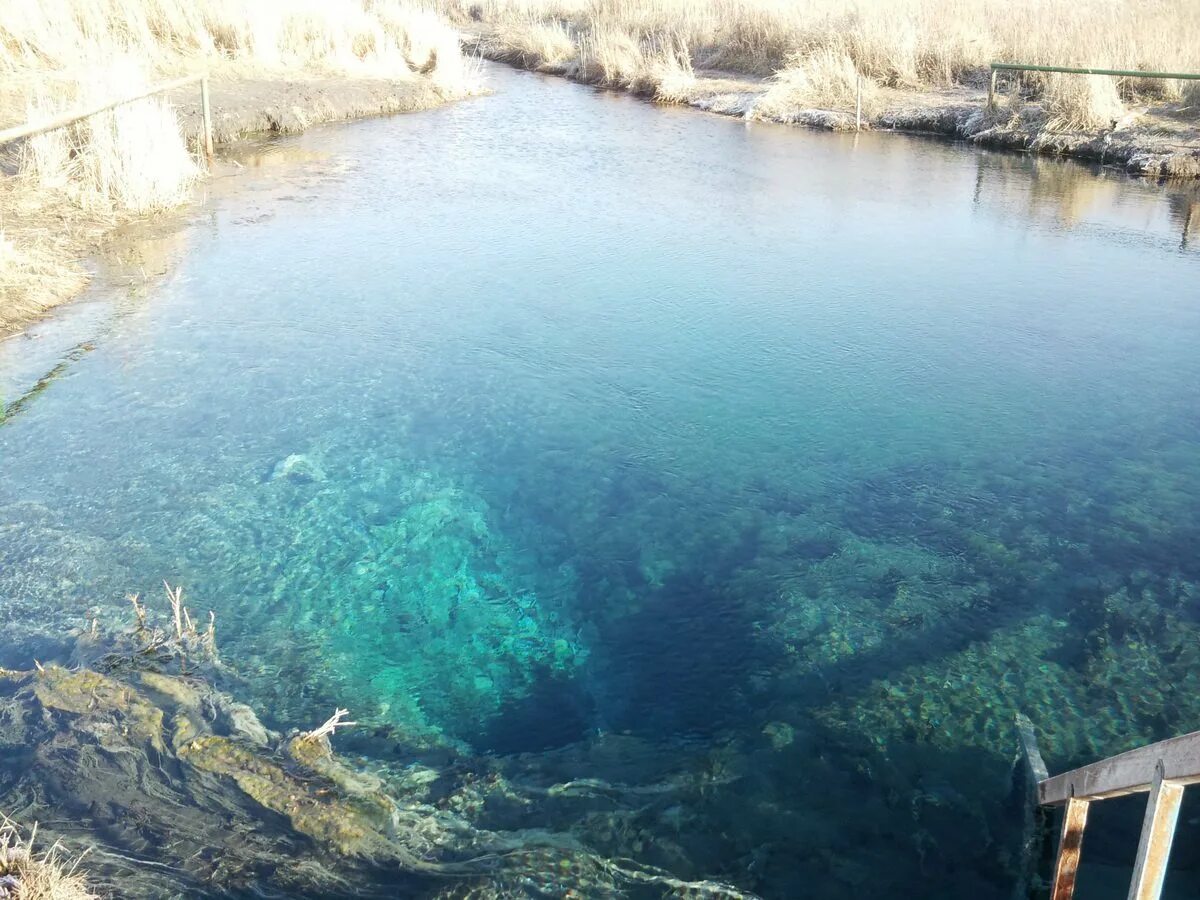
(921, 66)
(46, 234)
(272, 70)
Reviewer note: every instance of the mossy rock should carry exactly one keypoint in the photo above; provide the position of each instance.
(88, 693)
(355, 827)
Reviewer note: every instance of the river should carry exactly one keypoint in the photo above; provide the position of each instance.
(602, 440)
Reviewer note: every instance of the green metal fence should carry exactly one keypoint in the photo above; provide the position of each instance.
(1120, 73)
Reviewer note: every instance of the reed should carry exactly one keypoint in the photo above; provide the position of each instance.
(1082, 102)
(390, 38)
(532, 44)
(826, 79)
(132, 158)
(810, 47)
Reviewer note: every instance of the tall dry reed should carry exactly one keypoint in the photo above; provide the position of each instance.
(914, 44)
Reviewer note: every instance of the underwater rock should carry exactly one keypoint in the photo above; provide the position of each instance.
(131, 761)
(298, 468)
(90, 695)
(352, 828)
(780, 734)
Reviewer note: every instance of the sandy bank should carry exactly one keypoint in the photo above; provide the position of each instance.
(44, 237)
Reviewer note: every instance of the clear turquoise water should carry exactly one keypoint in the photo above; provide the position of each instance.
(634, 444)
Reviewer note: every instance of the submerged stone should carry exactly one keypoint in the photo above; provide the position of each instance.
(298, 468)
(248, 812)
(780, 734)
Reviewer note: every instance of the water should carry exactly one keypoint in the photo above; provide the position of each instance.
(764, 473)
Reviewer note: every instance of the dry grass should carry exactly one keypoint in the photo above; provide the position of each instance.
(132, 158)
(670, 74)
(1190, 95)
(893, 40)
(532, 44)
(810, 47)
(1082, 103)
(391, 38)
(611, 56)
(826, 79)
(48, 875)
(75, 183)
(34, 276)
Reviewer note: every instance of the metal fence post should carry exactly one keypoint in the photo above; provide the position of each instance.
(207, 112)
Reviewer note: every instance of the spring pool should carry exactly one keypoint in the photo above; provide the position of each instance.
(765, 473)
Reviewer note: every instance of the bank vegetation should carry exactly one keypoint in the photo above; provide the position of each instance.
(62, 191)
(827, 54)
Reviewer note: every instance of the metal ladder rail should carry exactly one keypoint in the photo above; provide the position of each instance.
(1162, 770)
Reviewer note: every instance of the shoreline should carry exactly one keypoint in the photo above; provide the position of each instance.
(1152, 142)
(60, 240)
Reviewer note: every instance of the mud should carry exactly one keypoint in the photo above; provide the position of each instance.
(245, 107)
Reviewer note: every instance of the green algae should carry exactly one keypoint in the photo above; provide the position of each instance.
(417, 603)
(350, 828)
(212, 796)
(896, 658)
(90, 694)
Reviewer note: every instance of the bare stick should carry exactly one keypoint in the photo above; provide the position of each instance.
(332, 724)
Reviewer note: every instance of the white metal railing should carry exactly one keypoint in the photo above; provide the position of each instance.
(8, 135)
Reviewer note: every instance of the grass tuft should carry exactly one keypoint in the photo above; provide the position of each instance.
(1082, 103)
(532, 44)
(826, 79)
(29, 875)
(132, 158)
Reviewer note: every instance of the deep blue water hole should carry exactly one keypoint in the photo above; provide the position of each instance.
(763, 472)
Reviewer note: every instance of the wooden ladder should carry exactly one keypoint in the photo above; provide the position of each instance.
(1162, 770)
